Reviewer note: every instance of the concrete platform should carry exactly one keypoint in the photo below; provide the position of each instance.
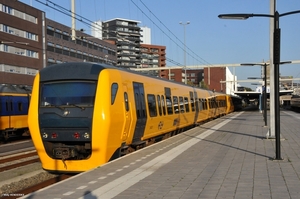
(225, 158)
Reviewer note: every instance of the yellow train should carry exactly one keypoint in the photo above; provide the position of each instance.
(83, 115)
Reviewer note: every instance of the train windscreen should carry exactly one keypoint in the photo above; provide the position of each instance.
(68, 93)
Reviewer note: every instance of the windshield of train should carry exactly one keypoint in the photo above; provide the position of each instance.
(68, 93)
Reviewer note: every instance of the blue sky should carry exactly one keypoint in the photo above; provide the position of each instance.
(209, 40)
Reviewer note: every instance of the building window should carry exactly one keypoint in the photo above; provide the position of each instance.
(7, 9)
(79, 54)
(50, 32)
(17, 69)
(50, 47)
(57, 35)
(58, 49)
(73, 53)
(31, 36)
(66, 36)
(19, 14)
(31, 53)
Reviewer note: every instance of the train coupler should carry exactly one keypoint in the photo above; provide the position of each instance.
(64, 153)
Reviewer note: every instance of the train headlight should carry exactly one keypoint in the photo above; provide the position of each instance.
(86, 135)
(45, 135)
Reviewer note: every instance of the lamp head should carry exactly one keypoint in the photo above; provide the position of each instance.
(235, 16)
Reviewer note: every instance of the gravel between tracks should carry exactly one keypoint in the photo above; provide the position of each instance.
(17, 179)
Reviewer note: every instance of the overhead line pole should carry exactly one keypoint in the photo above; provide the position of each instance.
(73, 20)
(184, 25)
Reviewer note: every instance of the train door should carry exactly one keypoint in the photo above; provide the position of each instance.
(195, 99)
(140, 106)
(128, 109)
(9, 111)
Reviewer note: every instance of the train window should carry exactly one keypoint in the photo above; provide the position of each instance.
(137, 106)
(152, 105)
(169, 101)
(196, 101)
(159, 105)
(9, 105)
(200, 104)
(163, 104)
(215, 102)
(181, 104)
(192, 104)
(20, 106)
(68, 93)
(175, 104)
(143, 105)
(114, 90)
(186, 104)
(126, 101)
(192, 101)
(169, 105)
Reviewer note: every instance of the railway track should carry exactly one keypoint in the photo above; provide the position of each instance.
(24, 185)
(18, 161)
(14, 140)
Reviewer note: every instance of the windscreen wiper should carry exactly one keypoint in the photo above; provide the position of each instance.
(82, 108)
(56, 106)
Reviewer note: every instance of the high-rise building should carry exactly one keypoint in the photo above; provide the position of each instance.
(127, 37)
(97, 29)
(29, 42)
(146, 35)
(153, 56)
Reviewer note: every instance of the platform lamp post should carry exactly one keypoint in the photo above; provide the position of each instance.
(276, 62)
(265, 83)
(184, 24)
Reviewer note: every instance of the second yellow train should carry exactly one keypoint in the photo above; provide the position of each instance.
(83, 115)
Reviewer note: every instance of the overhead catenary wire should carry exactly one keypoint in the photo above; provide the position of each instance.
(90, 24)
(203, 60)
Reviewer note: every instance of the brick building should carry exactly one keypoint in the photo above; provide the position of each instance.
(29, 42)
(21, 42)
(61, 47)
(153, 56)
(213, 76)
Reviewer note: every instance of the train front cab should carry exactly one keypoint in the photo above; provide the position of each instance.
(229, 104)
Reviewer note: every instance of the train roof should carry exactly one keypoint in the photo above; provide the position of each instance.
(10, 88)
(58, 71)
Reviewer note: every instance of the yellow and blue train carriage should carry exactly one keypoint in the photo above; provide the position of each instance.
(14, 103)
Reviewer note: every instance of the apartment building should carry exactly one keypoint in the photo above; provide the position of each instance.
(29, 42)
(84, 48)
(153, 56)
(21, 42)
(126, 36)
